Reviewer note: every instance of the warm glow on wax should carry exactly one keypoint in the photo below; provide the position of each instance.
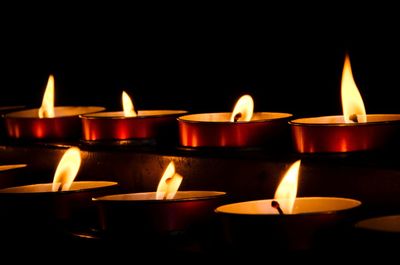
(243, 110)
(287, 190)
(67, 169)
(169, 183)
(47, 108)
(352, 103)
(129, 109)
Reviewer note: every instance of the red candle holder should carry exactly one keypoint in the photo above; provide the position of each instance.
(36, 207)
(26, 124)
(332, 134)
(142, 215)
(147, 125)
(265, 129)
(256, 225)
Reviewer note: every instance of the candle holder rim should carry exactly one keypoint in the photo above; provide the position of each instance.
(109, 198)
(15, 114)
(9, 190)
(97, 115)
(357, 203)
(363, 224)
(184, 118)
(298, 122)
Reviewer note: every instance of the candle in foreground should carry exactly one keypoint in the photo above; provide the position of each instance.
(129, 124)
(47, 122)
(149, 214)
(285, 222)
(353, 131)
(241, 128)
(62, 204)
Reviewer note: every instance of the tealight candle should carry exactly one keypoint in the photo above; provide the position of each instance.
(64, 202)
(130, 124)
(47, 122)
(241, 128)
(165, 211)
(285, 222)
(354, 131)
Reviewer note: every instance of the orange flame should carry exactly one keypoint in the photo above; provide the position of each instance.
(243, 110)
(352, 103)
(47, 108)
(129, 109)
(287, 190)
(169, 183)
(67, 169)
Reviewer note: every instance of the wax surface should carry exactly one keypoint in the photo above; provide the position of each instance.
(64, 111)
(225, 117)
(144, 196)
(141, 113)
(47, 187)
(371, 118)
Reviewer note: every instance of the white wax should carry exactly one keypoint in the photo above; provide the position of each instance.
(303, 205)
(338, 119)
(63, 111)
(225, 117)
(149, 196)
(47, 187)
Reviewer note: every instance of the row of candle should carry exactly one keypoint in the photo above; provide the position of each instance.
(169, 210)
(352, 131)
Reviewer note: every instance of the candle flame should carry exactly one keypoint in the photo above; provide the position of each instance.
(169, 183)
(47, 108)
(243, 110)
(352, 103)
(129, 109)
(67, 169)
(287, 190)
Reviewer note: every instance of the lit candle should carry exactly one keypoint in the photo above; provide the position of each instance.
(240, 128)
(47, 122)
(353, 131)
(130, 124)
(155, 213)
(62, 202)
(287, 221)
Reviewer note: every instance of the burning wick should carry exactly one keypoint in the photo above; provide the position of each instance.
(237, 117)
(275, 204)
(353, 118)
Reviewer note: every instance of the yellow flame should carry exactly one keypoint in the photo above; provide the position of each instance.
(243, 110)
(286, 192)
(169, 183)
(352, 103)
(47, 108)
(129, 109)
(67, 169)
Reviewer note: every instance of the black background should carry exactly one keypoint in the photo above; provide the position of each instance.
(200, 57)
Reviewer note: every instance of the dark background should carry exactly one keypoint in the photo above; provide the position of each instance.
(200, 58)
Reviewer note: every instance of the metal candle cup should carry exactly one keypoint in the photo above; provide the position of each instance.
(26, 124)
(216, 130)
(258, 222)
(37, 207)
(141, 214)
(149, 124)
(332, 134)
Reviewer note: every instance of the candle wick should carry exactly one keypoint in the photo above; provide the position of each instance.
(275, 204)
(237, 117)
(60, 187)
(353, 118)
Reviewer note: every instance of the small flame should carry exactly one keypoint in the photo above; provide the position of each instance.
(67, 169)
(287, 190)
(243, 110)
(129, 109)
(169, 183)
(47, 108)
(352, 103)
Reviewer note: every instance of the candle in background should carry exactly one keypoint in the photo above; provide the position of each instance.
(129, 124)
(145, 216)
(47, 122)
(285, 222)
(353, 131)
(61, 206)
(240, 128)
